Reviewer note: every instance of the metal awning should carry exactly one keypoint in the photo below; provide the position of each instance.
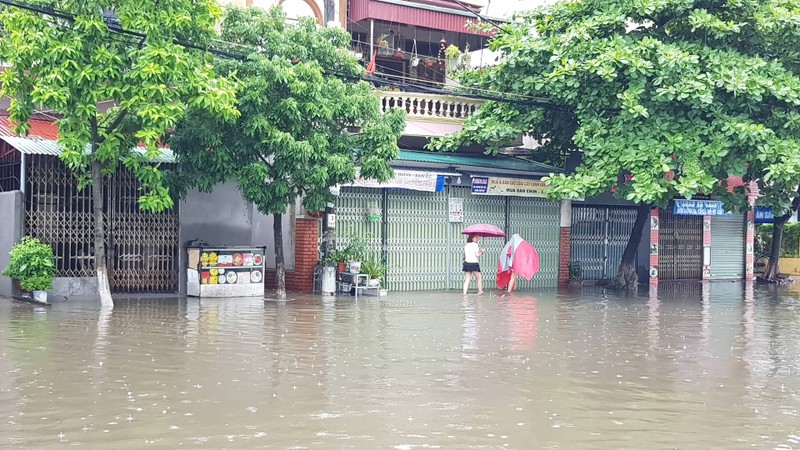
(49, 147)
(489, 165)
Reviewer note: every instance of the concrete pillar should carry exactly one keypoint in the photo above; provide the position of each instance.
(654, 227)
(12, 212)
(564, 242)
(749, 255)
(707, 247)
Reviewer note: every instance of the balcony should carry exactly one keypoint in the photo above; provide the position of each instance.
(429, 115)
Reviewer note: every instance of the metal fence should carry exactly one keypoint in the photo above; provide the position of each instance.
(599, 235)
(141, 247)
(425, 251)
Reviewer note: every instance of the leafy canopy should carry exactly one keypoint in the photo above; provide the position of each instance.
(302, 105)
(663, 98)
(76, 66)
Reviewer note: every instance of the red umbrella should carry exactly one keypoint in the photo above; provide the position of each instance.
(484, 230)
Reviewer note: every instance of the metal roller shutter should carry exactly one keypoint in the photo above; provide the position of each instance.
(727, 246)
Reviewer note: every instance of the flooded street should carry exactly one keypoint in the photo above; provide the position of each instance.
(697, 367)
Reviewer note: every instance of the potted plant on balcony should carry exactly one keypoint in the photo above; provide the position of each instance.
(382, 41)
(32, 263)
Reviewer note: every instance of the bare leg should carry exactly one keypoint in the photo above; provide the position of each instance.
(466, 281)
(512, 284)
(480, 282)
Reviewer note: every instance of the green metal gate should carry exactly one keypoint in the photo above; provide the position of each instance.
(351, 217)
(425, 251)
(538, 221)
(417, 240)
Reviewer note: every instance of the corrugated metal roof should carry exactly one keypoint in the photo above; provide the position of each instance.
(46, 129)
(420, 15)
(486, 163)
(39, 146)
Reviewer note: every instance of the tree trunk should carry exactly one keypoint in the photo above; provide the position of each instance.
(103, 287)
(280, 268)
(772, 272)
(626, 275)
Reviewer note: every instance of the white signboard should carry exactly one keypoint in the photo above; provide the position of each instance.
(456, 210)
(404, 179)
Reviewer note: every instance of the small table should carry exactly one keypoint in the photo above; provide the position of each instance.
(354, 284)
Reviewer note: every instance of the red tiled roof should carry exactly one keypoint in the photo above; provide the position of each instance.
(44, 129)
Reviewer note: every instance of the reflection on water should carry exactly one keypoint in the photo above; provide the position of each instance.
(684, 366)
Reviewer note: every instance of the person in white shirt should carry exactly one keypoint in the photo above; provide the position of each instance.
(471, 267)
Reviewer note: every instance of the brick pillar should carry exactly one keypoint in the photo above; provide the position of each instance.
(706, 247)
(564, 242)
(654, 247)
(749, 256)
(306, 257)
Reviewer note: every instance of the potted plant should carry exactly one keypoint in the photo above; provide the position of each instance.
(375, 270)
(355, 251)
(382, 41)
(32, 263)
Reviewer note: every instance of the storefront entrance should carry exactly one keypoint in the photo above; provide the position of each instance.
(680, 242)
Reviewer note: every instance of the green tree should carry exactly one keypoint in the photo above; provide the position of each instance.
(662, 98)
(306, 120)
(69, 56)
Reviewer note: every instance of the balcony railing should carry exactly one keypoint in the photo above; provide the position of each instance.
(429, 107)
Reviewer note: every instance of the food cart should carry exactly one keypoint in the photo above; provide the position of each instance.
(225, 271)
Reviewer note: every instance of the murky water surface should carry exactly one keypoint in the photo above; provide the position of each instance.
(713, 367)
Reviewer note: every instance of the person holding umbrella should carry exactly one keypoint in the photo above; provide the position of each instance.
(472, 251)
(472, 268)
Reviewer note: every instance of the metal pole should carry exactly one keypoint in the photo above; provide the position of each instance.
(385, 230)
(606, 243)
(371, 38)
(449, 252)
(508, 216)
(22, 172)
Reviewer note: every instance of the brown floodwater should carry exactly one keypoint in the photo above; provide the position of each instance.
(697, 366)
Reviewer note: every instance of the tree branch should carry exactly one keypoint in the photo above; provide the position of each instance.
(117, 121)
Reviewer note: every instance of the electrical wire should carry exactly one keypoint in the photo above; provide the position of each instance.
(239, 57)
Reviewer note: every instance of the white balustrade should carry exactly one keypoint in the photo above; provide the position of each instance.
(429, 106)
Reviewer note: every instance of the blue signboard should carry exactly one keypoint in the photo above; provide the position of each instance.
(764, 214)
(480, 185)
(699, 208)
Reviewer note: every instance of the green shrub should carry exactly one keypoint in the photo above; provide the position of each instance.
(33, 264)
(789, 243)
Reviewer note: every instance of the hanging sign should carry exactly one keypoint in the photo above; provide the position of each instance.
(403, 179)
(699, 208)
(764, 214)
(456, 210)
(508, 186)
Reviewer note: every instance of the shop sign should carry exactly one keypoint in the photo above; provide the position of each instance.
(456, 209)
(508, 186)
(403, 179)
(764, 214)
(699, 208)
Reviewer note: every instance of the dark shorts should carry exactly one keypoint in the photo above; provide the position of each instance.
(471, 267)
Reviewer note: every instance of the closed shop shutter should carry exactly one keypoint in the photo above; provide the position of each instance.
(598, 238)
(425, 251)
(727, 246)
(538, 221)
